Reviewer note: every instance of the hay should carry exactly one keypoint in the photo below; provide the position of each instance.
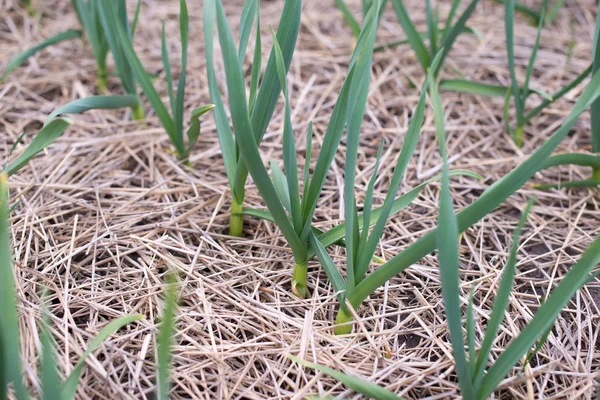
(103, 216)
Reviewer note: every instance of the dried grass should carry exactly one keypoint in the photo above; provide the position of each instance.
(102, 216)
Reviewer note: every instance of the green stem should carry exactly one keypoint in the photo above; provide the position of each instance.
(519, 136)
(138, 113)
(102, 80)
(343, 317)
(299, 287)
(236, 219)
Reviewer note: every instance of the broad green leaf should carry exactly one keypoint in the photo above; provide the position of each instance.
(361, 386)
(9, 321)
(586, 160)
(94, 103)
(46, 136)
(19, 59)
(69, 387)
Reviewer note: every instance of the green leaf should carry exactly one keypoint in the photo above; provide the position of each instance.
(447, 242)
(361, 386)
(357, 95)
(9, 321)
(534, 51)
(502, 297)
(396, 43)
(256, 62)
(544, 318)
(166, 60)
(334, 275)
(280, 184)
(485, 204)
(451, 35)
(348, 17)
(46, 136)
(180, 96)
(289, 145)
(334, 235)
(268, 95)
(432, 28)
(509, 17)
(69, 387)
(412, 34)
(249, 10)
(466, 86)
(145, 82)
(49, 373)
(595, 110)
(246, 139)
(20, 58)
(193, 132)
(408, 148)
(94, 103)
(108, 21)
(164, 340)
(368, 202)
(226, 140)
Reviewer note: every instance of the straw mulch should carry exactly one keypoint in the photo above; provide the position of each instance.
(103, 216)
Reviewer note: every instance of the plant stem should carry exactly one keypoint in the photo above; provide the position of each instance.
(519, 136)
(343, 317)
(236, 219)
(101, 80)
(138, 112)
(299, 287)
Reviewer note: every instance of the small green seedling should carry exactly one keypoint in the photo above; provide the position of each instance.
(471, 214)
(100, 30)
(172, 122)
(263, 94)
(12, 371)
